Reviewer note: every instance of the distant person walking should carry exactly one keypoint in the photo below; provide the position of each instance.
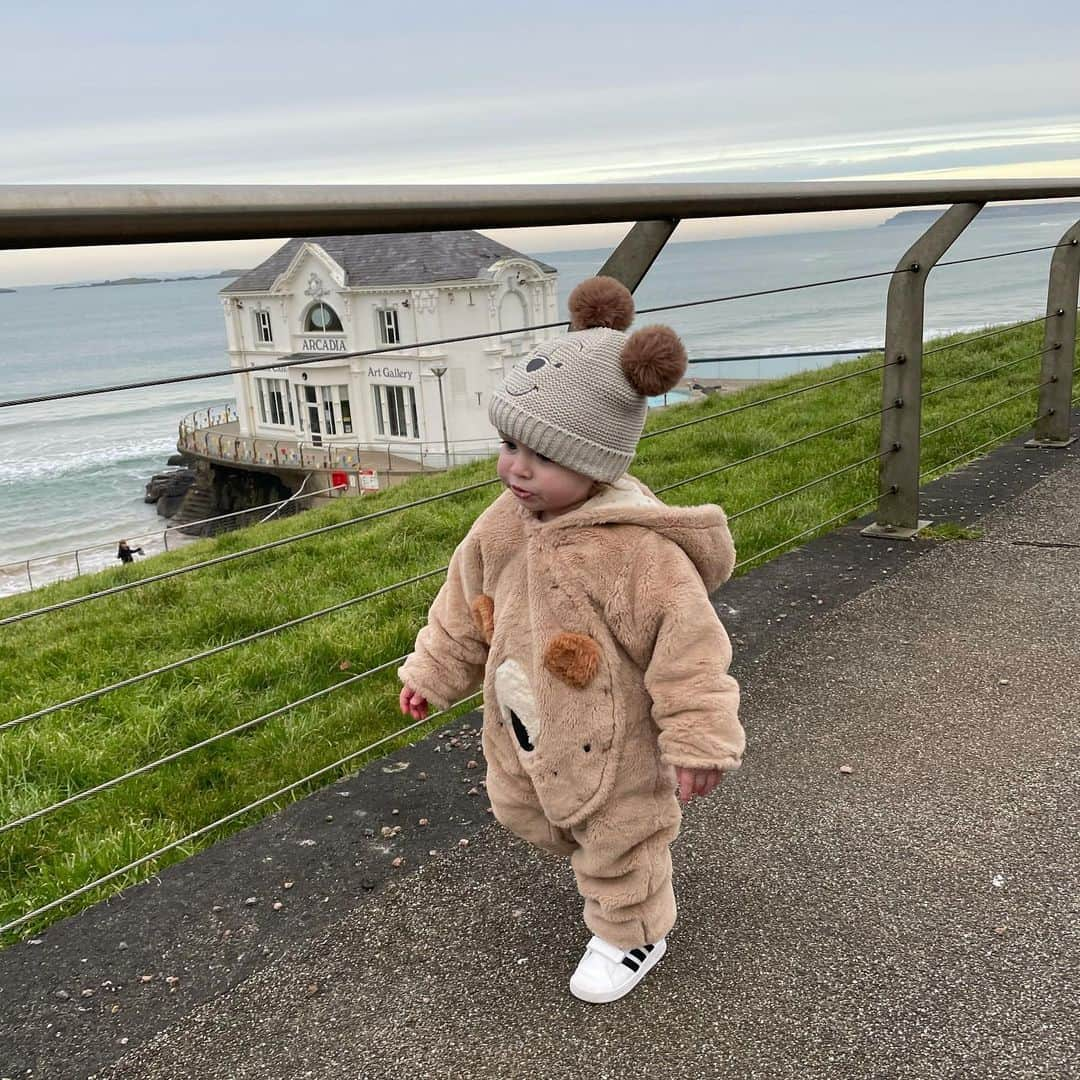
(127, 554)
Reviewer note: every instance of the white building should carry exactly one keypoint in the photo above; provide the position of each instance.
(339, 294)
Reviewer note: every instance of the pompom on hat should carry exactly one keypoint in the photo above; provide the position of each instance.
(581, 399)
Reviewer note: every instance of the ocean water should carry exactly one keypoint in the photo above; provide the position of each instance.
(72, 473)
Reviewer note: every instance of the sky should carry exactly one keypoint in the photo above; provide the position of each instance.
(332, 92)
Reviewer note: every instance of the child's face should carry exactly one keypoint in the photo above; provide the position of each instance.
(538, 483)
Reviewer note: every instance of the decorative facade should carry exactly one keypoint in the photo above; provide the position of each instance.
(391, 292)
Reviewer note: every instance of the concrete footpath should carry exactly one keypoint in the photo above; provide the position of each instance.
(915, 917)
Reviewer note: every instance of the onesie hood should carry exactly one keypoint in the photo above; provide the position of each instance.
(701, 531)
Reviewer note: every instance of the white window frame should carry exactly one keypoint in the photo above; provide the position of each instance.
(274, 397)
(388, 326)
(395, 402)
(264, 331)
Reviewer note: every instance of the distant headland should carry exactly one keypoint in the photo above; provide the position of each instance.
(7, 290)
(146, 280)
(1020, 210)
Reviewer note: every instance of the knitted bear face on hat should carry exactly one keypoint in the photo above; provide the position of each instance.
(581, 399)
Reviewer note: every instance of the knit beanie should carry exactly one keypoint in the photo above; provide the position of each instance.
(581, 399)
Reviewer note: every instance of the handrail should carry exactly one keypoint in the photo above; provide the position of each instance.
(61, 215)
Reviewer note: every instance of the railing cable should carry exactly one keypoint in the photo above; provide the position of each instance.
(988, 371)
(813, 483)
(136, 863)
(395, 509)
(762, 401)
(93, 695)
(303, 361)
(52, 555)
(979, 412)
(992, 333)
(775, 449)
(975, 449)
(1003, 254)
(218, 560)
(806, 532)
(150, 766)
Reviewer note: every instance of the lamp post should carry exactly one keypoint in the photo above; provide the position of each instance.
(439, 372)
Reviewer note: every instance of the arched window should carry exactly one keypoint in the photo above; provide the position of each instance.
(322, 319)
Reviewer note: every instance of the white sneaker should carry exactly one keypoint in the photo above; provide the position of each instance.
(605, 973)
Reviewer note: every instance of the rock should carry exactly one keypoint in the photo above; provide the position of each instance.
(278, 905)
(422, 821)
(847, 770)
(63, 995)
(168, 489)
(288, 885)
(397, 862)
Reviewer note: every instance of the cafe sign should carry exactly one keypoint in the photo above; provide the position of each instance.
(322, 344)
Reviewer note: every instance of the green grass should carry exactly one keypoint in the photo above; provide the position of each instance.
(57, 656)
(950, 530)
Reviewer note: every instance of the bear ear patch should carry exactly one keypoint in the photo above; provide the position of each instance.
(574, 658)
(483, 613)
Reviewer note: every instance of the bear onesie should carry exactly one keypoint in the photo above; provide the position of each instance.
(604, 666)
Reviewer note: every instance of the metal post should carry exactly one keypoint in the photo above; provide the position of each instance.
(1052, 426)
(901, 394)
(637, 251)
(28, 577)
(165, 539)
(78, 569)
(439, 372)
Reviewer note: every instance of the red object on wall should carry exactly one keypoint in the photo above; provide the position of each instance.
(339, 479)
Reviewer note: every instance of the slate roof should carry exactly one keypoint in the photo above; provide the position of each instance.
(390, 259)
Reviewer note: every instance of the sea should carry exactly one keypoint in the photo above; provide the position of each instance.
(73, 472)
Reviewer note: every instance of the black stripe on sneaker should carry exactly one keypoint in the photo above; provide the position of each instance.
(633, 965)
(638, 954)
(649, 948)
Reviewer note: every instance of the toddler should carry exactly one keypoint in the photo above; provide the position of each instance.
(581, 603)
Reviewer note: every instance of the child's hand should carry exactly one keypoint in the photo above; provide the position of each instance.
(696, 782)
(413, 703)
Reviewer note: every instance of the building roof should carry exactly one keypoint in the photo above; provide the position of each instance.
(390, 259)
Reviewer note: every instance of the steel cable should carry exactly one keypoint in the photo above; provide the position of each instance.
(168, 529)
(988, 371)
(150, 766)
(775, 449)
(798, 536)
(1003, 254)
(975, 449)
(812, 483)
(190, 568)
(93, 695)
(136, 863)
(762, 401)
(218, 560)
(304, 361)
(979, 412)
(993, 333)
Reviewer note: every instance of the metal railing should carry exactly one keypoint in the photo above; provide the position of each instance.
(898, 458)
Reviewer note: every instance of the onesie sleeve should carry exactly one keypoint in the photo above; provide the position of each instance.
(448, 659)
(685, 652)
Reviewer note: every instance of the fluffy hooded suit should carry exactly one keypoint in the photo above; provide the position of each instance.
(604, 666)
